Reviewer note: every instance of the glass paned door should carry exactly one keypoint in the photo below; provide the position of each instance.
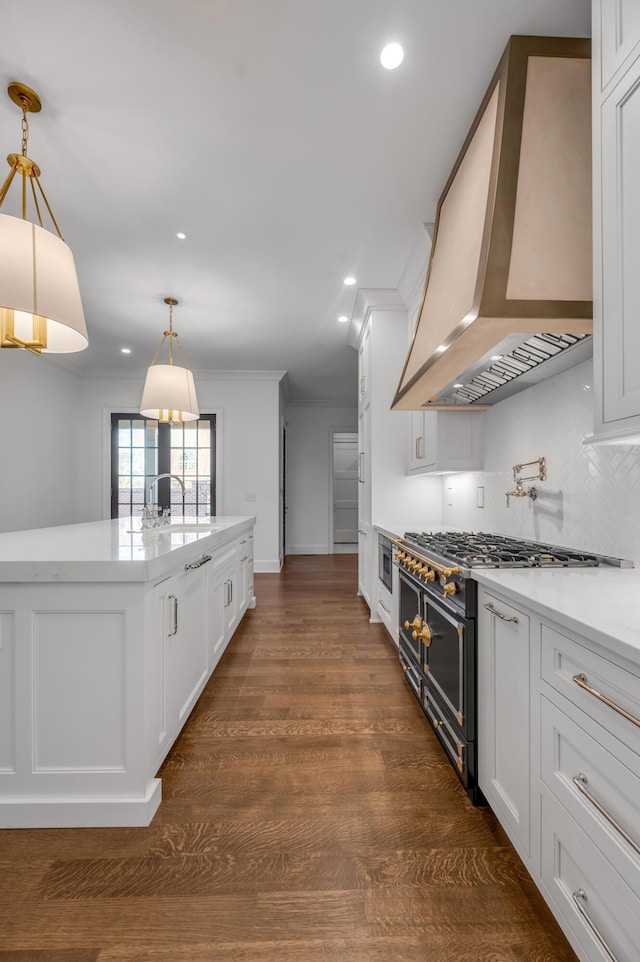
(143, 448)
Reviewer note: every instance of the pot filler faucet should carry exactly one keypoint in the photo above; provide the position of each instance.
(520, 491)
(149, 517)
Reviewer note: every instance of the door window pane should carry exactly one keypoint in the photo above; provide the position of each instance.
(142, 448)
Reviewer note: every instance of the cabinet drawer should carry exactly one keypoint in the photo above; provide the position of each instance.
(592, 902)
(223, 555)
(600, 687)
(599, 784)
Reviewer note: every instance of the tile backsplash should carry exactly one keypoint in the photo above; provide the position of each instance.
(591, 498)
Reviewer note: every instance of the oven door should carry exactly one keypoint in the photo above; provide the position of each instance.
(449, 663)
(411, 607)
(385, 562)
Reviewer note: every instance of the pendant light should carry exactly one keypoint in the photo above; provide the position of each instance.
(40, 306)
(169, 393)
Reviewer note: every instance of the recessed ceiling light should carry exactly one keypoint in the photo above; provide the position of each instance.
(125, 350)
(349, 281)
(343, 318)
(392, 56)
(181, 236)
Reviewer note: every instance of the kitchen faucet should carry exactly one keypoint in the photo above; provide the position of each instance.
(148, 515)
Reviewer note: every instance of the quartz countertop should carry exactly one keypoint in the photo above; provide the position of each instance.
(116, 550)
(601, 604)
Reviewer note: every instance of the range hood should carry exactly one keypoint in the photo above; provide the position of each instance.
(508, 295)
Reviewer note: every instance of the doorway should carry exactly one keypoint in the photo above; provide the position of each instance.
(344, 489)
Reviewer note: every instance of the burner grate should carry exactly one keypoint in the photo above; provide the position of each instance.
(499, 551)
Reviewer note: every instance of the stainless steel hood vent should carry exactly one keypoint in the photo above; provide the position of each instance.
(512, 248)
(514, 366)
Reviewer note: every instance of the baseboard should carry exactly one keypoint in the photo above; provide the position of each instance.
(80, 812)
(267, 567)
(308, 549)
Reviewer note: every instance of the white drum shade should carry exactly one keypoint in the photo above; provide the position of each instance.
(38, 277)
(169, 394)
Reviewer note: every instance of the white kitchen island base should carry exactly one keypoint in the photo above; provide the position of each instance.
(106, 642)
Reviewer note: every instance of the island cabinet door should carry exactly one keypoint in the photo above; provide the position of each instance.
(187, 640)
(220, 602)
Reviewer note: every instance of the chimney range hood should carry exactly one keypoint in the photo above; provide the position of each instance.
(508, 296)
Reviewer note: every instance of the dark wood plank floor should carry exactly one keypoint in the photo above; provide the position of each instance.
(308, 815)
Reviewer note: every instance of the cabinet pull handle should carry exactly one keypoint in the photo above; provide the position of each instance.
(581, 681)
(361, 467)
(198, 564)
(175, 615)
(580, 781)
(498, 614)
(580, 898)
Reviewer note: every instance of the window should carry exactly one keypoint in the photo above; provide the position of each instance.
(142, 448)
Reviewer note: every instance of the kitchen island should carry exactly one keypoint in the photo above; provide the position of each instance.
(108, 634)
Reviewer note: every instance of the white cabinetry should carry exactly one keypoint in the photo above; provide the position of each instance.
(365, 538)
(616, 138)
(446, 441)
(504, 727)
(98, 678)
(559, 763)
(381, 432)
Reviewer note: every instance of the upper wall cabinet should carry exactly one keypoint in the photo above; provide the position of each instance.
(616, 155)
(617, 24)
(508, 297)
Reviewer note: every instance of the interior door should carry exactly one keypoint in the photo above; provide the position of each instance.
(345, 488)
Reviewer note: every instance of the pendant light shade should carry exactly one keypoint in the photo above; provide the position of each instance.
(40, 302)
(169, 393)
(40, 306)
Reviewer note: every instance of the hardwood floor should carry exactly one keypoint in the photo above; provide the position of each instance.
(308, 815)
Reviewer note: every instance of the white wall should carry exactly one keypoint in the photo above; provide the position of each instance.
(591, 499)
(310, 427)
(39, 404)
(247, 405)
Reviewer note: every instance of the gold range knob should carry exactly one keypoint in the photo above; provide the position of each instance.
(400, 555)
(416, 623)
(449, 589)
(425, 634)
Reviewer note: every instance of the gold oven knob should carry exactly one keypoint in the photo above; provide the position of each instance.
(416, 623)
(430, 575)
(449, 588)
(425, 634)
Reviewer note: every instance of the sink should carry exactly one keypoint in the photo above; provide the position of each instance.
(178, 527)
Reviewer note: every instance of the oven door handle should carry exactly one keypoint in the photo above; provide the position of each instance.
(499, 614)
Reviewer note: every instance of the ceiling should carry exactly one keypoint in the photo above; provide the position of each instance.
(268, 132)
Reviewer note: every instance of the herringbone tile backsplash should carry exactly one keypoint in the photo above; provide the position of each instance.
(591, 498)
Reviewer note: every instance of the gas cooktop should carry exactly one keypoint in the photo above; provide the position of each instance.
(482, 550)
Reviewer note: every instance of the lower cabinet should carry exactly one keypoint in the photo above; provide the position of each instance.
(559, 763)
(97, 679)
(504, 731)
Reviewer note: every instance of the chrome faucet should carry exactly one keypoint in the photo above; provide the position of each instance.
(148, 516)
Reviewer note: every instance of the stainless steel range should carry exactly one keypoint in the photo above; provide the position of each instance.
(438, 609)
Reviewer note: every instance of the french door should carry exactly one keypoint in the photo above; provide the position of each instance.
(142, 448)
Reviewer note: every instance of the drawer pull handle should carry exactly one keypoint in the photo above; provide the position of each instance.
(498, 614)
(581, 680)
(580, 781)
(198, 564)
(580, 898)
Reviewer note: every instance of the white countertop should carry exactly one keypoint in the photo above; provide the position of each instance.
(115, 550)
(601, 604)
